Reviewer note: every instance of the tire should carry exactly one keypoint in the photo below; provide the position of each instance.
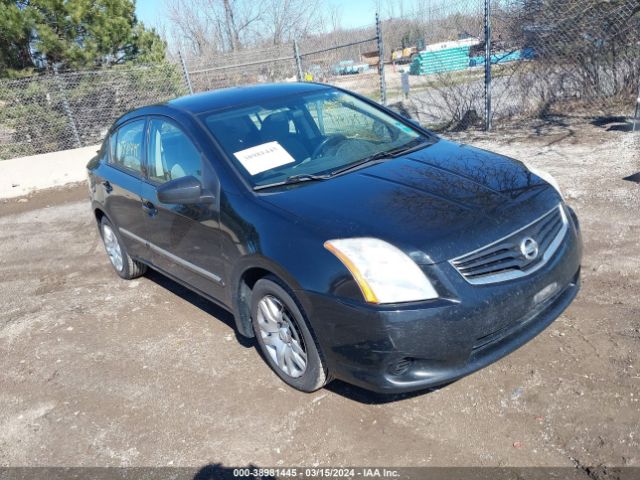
(121, 262)
(272, 302)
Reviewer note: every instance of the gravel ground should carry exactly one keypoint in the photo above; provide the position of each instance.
(97, 371)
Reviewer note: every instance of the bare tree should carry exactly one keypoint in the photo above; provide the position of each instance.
(239, 21)
(230, 26)
(284, 20)
(189, 30)
(332, 22)
(205, 27)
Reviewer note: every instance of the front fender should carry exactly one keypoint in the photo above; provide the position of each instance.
(270, 240)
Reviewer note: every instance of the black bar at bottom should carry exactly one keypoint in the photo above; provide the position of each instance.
(221, 472)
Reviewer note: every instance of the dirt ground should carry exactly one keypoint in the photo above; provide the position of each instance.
(97, 371)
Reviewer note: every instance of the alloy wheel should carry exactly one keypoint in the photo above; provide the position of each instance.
(281, 336)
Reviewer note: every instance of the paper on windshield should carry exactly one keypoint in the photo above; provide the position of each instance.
(263, 157)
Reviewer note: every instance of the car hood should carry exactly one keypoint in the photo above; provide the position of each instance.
(435, 203)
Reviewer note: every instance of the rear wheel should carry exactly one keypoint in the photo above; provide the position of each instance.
(122, 263)
(285, 338)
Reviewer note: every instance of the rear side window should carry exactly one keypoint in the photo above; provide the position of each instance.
(126, 146)
(171, 153)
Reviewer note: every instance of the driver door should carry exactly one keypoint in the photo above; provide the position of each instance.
(184, 239)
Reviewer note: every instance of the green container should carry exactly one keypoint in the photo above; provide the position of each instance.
(445, 60)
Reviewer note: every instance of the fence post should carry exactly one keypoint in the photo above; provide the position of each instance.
(487, 65)
(296, 54)
(636, 117)
(185, 73)
(383, 84)
(67, 108)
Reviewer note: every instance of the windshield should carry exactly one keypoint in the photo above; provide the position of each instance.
(307, 135)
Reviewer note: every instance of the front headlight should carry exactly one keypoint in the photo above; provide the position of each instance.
(547, 177)
(384, 273)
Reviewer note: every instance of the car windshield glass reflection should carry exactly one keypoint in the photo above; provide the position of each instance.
(309, 137)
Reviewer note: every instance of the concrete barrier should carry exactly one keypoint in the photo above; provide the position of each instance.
(20, 176)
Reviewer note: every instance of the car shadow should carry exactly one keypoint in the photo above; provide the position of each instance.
(199, 301)
(338, 387)
(360, 395)
(215, 471)
(633, 178)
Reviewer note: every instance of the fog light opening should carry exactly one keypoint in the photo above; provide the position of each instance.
(400, 366)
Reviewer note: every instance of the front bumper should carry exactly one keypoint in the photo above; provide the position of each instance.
(411, 347)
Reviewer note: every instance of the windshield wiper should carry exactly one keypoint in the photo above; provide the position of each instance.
(384, 155)
(411, 146)
(303, 177)
(371, 158)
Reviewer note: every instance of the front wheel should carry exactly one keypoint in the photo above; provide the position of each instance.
(285, 338)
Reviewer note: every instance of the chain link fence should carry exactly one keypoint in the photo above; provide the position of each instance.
(430, 64)
(347, 59)
(60, 111)
(585, 54)
(546, 56)
(431, 76)
(276, 64)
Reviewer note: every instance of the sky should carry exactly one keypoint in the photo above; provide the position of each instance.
(355, 13)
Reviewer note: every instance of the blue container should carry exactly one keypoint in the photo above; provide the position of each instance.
(504, 57)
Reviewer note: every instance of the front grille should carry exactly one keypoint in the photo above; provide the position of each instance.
(516, 255)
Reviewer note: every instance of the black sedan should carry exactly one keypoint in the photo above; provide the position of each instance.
(349, 241)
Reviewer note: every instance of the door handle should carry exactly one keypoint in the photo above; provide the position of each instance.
(149, 207)
(107, 186)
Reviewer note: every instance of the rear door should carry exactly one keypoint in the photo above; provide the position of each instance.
(184, 239)
(122, 184)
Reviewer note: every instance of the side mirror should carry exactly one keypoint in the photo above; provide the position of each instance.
(183, 190)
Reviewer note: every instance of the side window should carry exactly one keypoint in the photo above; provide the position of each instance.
(171, 153)
(126, 146)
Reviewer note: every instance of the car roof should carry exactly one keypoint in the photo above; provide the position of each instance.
(228, 97)
(222, 98)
